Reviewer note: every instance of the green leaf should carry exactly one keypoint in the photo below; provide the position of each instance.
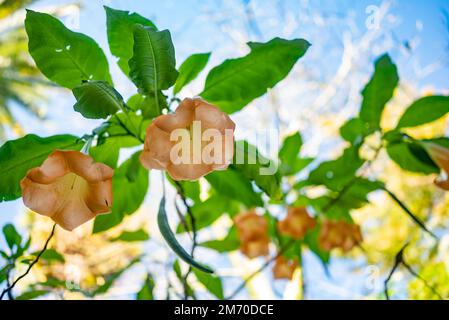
(378, 91)
(108, 151)
(19, 156)
(146, 293)
(288, 155)
(190, 69)
(170, 238)
(97, 100)
(230, 243)
(424, 110)
(30, 295)
(130, 236)
(64, 56)
(211, 282)
(128, 195)
(50, 255)
(191, 189)
(209, 211)
(355, 130)
(290, 148)
(12, 237)
(311, 240)
(236, 82)
(147, 104)
(152, 67)
(235, 185)
(335, 174)
(253, 165)
(411, 157)
(356, 195)
(120, 26)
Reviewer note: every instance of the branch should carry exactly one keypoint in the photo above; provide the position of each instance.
(194, 234)
(409, 213)
(397, 262)
(413, 273)
(10, 287)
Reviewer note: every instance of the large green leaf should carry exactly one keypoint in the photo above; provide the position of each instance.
(97, 99)
(19, 156)
(249, 162)
(424, 110)
(164, 227)
(411, 157)
(152, 66)
(235, 185)
(129, 193)
(211, 282)
(64, 56)
(236, 82)
(378, 91)
(120, 26)
(190, 69)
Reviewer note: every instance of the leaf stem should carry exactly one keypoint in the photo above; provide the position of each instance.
(409, 212)
(10, 287)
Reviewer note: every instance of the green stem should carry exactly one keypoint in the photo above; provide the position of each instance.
(409, 213)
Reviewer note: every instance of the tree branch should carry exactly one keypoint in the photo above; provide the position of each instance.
(10, 287)
(409, 213)
(194, 234)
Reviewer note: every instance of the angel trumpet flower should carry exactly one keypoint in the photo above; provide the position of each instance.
(69, 187)
(252, 230)
(440, 155)
(194, 123)
(297, 223)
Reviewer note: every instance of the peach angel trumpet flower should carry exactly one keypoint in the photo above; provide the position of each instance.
(297, 223)
(207, 141)
(440, 155)
(252, 230)
(69, 187)
(283, 268)
(339, 234)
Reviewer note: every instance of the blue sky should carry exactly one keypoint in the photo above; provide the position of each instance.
(194, 25)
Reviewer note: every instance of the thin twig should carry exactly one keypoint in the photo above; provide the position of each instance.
(397, 261)
(409, 213)
(9, 288)
(194, 233)
(413, 273)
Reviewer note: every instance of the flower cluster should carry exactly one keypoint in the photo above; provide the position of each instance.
(71, 188)
(339, 234)
(252, 231)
